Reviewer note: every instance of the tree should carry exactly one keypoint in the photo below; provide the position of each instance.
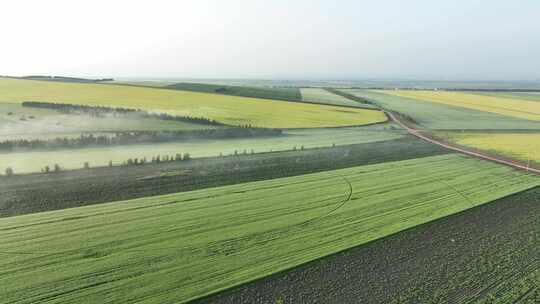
(57, 168)
(110, 164)
(186, 156)
(9, 171)
(46, 169)
(86, 165)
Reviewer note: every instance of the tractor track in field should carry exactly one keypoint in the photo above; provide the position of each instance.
(442, 257)
(462, 150)
(345, 201)
(340, 205)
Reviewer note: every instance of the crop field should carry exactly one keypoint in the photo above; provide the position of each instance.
(18, 122)
(487, 254)
(178, 247)
(323, 96)
(34, 161)
(290, 94)
(433, 115)
(226, 109)
(531, 96)
(522, 146)
(514, 107)
(30, 193)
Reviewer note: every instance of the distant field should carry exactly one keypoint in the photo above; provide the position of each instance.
(532, 96)
(513, 107)
(522, 146)
(25, 162)
(226, 109)
(434, 115)
(323, 96)
(178, 247)
(18, 122)
(145, 83)
(292, 94)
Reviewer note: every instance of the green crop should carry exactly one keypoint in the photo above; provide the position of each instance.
(175, 248)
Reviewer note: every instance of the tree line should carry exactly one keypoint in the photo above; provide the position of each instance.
(101, 111)
(133, 137)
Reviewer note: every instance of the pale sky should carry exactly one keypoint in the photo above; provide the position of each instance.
(415, 39)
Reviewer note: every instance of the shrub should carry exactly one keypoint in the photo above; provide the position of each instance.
(9, 171)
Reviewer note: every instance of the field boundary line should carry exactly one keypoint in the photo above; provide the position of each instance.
(449, 146)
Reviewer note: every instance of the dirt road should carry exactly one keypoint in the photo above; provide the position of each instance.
(417, 133)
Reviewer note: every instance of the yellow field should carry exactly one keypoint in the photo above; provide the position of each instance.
(226, 109)
(522, 146)
(505, 106)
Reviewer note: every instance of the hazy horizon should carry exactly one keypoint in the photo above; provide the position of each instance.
(307, 40)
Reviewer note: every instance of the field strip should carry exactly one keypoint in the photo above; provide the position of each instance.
(339, 205)
(34, 161)
(231, 110)
(318, 95)
(441, 116)
(485, 253)
(524, 146)
(463, 150)
(520, 108)
(180, 247)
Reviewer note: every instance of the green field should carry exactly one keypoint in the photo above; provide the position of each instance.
(531, 96)
(431, 115)
(291, 94)
(323, 96)
(174, 248)
(513, 107)
(34, 161)
(226, 109)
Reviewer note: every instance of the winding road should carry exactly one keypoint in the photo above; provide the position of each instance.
(417, 133)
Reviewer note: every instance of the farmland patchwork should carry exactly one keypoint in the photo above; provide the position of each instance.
(178, 247)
